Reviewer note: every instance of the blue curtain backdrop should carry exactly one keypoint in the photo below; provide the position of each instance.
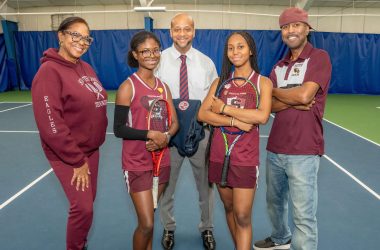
(4, 77)
(355, 57)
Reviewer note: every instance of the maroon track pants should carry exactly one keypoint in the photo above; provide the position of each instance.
(81, 202)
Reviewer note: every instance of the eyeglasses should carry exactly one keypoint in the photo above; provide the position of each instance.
(149, 53)
(76, 37)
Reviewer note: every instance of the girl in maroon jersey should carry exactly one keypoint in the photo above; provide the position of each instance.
(131, 110)
(69, 105)
(237, 197)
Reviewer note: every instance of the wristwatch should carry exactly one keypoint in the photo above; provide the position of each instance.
(168, 136)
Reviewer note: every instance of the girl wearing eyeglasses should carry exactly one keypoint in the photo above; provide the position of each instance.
(130, 123)
(69, 105)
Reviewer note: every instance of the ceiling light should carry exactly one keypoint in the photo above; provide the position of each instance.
(150, 9)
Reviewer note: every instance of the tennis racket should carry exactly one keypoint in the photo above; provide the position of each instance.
(159, 119)
(243, 96)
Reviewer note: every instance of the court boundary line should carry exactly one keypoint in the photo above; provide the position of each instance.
(360, 136)
(19, 131)
(14, 102)
(327, 157)
(1, 111)
(25, 189)
(352, 177)
(345, 170)
(347, 130)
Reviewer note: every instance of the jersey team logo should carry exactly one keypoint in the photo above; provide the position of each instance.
(183, 105)
(147, 100)
(296, 71)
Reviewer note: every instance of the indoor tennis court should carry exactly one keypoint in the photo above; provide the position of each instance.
(33, 207)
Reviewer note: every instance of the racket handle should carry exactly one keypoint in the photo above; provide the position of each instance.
(155, 191)
(226, 164)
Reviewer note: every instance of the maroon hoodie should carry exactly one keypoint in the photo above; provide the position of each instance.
(69, 105)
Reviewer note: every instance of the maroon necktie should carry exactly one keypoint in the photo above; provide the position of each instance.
(183, 86)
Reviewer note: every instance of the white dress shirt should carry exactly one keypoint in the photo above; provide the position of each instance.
(201, 72)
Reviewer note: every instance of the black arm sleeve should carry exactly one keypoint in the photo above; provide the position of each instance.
(120, 128)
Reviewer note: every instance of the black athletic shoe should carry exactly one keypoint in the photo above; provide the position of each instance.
(208, 240)
(268, 244)
(167, 240)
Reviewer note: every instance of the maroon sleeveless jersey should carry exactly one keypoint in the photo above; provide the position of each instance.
(135, 157)
(246, 151)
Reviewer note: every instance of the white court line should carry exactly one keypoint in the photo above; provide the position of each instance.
(15, 102)
(378, 107)
(42, 176)
(25, 189)
(377, 144)
(343, 169)
(19, 131)
(353, 177)
(108, 133)
(15, 107)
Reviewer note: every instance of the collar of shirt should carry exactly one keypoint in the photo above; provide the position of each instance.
(304, 54)
(190, 54)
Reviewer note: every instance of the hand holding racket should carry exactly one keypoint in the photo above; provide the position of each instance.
(244, 96)
(159, 121)
(151, 146)
(157, 140)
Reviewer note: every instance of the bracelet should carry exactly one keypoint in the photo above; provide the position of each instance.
(222, 112)
(168, 136)
(232, 121)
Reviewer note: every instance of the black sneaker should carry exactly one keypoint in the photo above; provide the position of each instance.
(269, 244)
(167, 240)
(208, 240)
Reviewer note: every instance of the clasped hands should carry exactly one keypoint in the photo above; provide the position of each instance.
(156, 140)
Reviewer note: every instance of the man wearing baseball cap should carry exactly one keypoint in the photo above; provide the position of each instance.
(295, 144)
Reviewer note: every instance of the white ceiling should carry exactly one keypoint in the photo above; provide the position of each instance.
(316, 3)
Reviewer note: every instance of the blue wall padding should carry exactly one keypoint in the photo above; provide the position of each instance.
(4, 76)
(355, 57)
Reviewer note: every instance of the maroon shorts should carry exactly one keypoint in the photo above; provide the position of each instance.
(138, 181)
(238, 177)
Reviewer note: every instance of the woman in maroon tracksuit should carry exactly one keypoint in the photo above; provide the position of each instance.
(69, 105)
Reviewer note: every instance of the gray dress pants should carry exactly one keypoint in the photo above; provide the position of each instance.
(205, 190)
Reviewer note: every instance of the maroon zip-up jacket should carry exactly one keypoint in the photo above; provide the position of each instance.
(69, 105)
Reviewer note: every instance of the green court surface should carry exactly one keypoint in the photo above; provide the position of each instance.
(357, 113)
